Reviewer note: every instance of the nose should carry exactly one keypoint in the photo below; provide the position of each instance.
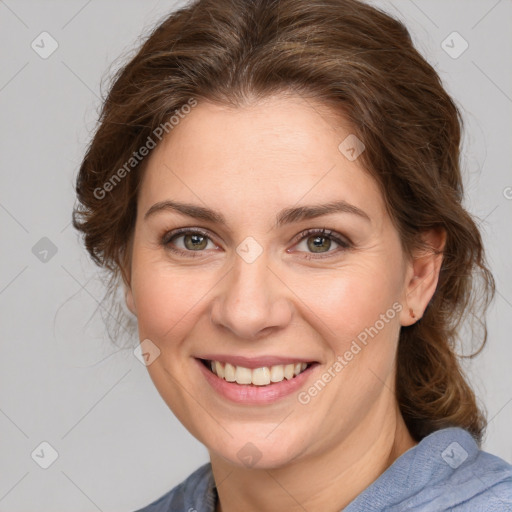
(252, 300)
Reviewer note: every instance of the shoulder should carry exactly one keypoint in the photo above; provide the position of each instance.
(484, 484)
(196, 493)
(445, 471)
(461, 476)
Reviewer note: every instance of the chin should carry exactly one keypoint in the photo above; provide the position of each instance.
(257, 452)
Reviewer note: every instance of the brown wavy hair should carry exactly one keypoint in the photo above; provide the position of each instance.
(361, 63)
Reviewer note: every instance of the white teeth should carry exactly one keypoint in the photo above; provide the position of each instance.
(219, 369)
(243, 375)
(261, 376)
(229, 372)
(289, 371)
(277, 373)
(258, 376)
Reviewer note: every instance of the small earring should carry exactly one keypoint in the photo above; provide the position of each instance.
(411, 312)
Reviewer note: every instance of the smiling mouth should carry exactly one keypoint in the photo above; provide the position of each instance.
(264, 376)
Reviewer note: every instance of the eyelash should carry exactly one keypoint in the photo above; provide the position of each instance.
(324, 233)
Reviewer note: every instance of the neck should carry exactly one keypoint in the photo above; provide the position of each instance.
(326, 481)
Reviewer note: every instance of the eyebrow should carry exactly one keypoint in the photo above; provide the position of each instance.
(286, 216)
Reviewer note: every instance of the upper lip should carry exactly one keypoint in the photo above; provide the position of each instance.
(254, 362)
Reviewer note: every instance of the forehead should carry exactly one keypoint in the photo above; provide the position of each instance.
(277, 152)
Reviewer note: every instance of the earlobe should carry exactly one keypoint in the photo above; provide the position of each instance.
(423, 275)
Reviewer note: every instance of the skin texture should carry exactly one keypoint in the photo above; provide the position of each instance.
(248, 163)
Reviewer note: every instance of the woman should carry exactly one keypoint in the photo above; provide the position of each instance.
(277, 186)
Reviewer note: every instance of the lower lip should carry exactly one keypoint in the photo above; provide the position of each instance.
(251, 394)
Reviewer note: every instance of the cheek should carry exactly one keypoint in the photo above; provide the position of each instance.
(166, 297)
(369, 327)
(351, 299)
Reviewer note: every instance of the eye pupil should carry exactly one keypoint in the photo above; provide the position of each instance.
(198, 242)
(319, 242)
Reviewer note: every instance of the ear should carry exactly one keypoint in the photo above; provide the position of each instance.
(130, 303)
(422, 275)
(126, 275)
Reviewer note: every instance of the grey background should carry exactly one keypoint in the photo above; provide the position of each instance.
(62, 380)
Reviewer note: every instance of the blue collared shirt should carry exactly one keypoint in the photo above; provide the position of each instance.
(446, 471)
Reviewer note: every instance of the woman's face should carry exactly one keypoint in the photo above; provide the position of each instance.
(252, 282)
